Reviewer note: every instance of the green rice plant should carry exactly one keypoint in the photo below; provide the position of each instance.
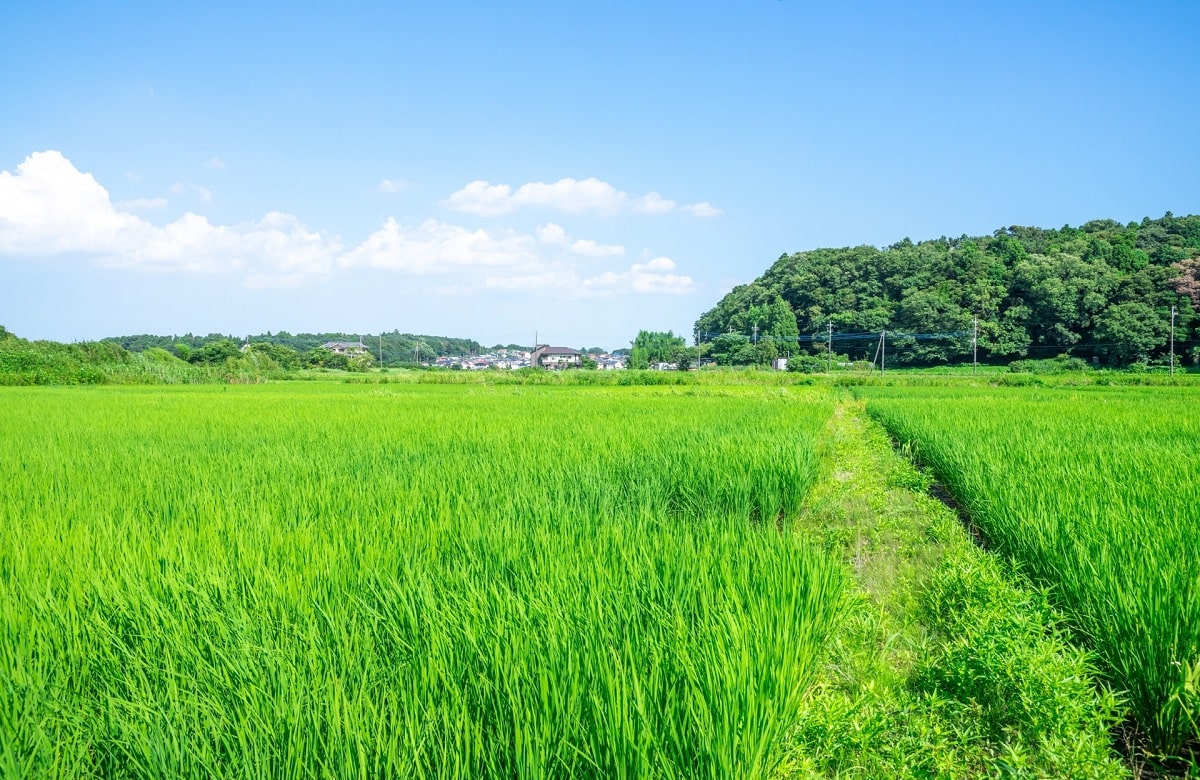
(328, 580)
(1094, 492)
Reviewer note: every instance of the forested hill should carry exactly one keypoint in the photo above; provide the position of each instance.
(1102, 290)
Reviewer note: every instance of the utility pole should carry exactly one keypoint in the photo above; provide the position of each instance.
(882, 352)
(381, 350)
(975, 348)
(829, 350)
(696, 333)
(1172, 341)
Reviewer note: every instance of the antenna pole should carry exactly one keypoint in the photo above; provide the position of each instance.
(829, 350)
(1172, 341)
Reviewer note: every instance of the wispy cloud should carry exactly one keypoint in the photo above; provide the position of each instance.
(216, 163)
(570, 196)
(389, 186)
(141, 204)
(204, 194)
(653, 203)
(589, 248)
(554, 235)
(704, 209)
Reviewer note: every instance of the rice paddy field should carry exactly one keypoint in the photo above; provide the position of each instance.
(325, 580)
(320, 579)
(1095, 492)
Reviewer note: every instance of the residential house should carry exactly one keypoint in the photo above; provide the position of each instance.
(347, 348)
(545, 356)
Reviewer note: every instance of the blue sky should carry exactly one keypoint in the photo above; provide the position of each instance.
(578, 170)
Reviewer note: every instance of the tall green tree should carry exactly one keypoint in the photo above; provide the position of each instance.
(654, 347)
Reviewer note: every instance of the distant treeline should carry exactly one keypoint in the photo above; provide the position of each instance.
(1102, 292)
(397, 347)
(148, 359)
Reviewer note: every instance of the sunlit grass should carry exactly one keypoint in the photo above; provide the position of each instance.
(351, 581)
(1096, 493)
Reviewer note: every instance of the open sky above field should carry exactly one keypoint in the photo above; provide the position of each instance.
(578, 170)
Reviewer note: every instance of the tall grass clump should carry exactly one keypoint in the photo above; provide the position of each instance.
(324, 580)
(103, 363)
(1094, 491)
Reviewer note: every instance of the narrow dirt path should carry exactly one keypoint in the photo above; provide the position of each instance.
(947, 665)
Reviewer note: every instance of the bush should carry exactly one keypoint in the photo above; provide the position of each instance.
(804, 363)
(1057, 365)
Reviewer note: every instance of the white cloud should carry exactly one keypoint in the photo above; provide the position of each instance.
(48, 208)
(554, 235)
(653, 203)
(506, 261)
(436, 247)
(389, 186)
(572, 196)
(651, 278)
(482, 198)
(551, 233)
(588, 247)
(141, 204)
(216, 163)
(704, 210)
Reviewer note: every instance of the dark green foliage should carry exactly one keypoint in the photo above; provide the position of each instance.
(805, 364)
(652, 347)
(1051, 366)
(1102, 290)
(732, 349)
(215, 352)
(284, 356)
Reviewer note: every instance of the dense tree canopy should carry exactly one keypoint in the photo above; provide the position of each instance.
(1102, 290)
(651, 347)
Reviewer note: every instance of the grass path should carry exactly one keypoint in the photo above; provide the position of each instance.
(949, 666)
